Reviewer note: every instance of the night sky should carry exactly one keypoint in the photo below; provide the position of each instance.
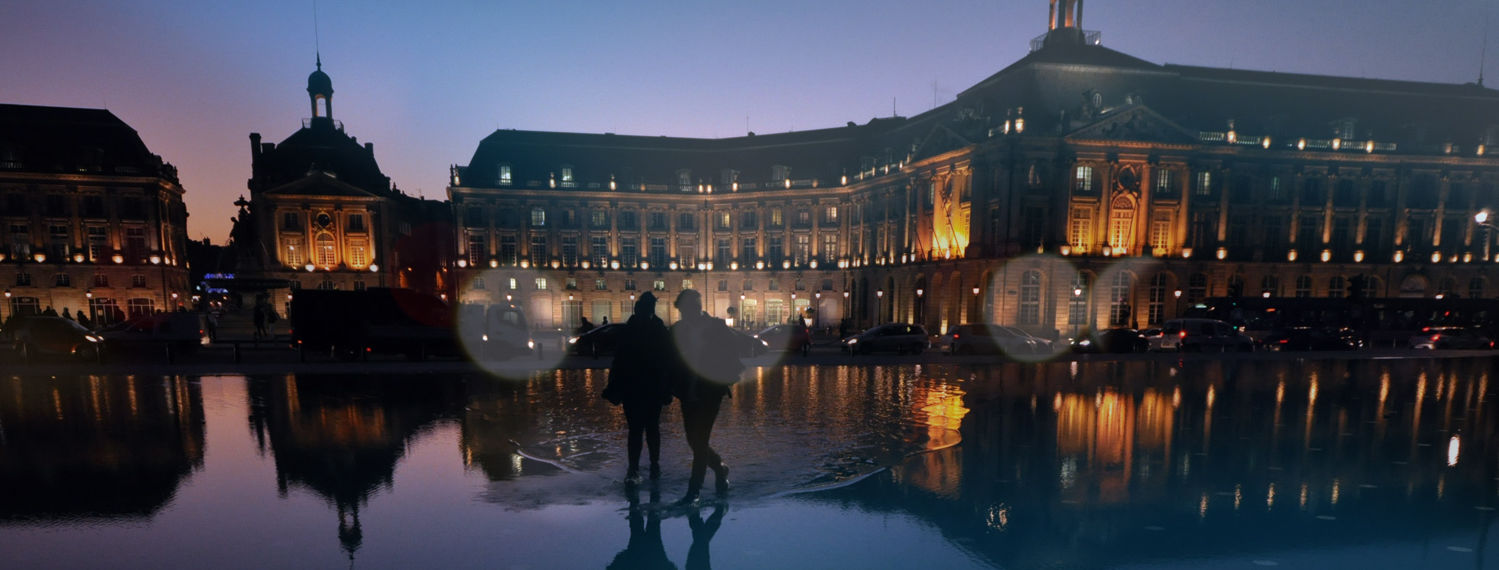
(426, 81)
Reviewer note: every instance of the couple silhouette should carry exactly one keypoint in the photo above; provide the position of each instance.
(695, 361)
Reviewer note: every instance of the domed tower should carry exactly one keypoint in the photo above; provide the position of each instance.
(320, 87)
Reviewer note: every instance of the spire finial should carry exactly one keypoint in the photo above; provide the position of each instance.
(320, 62)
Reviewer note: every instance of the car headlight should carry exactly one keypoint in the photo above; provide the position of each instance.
(93, 338)
(573, 340)
(531, 344)
(484, 338)
(852, 341)
(1085, 343)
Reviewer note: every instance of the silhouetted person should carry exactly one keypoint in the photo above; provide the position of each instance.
(49, 312)
(702, 534)
(638, 380)
(262, 317)
(644, 549)
(606, 320)
(707, 365)
(66, 314)
(583, 326)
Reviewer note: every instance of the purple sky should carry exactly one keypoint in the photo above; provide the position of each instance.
(426, 81)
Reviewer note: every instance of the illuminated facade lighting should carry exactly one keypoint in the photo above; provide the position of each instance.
(1222, 253)
(1291, 255)
(1326, 255)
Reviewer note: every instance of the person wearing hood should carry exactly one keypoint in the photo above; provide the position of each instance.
(638, 381)
(707, 366)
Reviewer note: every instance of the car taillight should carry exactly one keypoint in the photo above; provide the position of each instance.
(1182, 334)
(1284, 341)
(1425, 329)
(955, 336)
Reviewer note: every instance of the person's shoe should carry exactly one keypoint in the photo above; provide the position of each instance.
(721, 477)
(655, 471)
(632, 476)
(687, 500)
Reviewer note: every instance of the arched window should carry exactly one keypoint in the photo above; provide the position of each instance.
(1157, 309)
(1030, 298)
(326, 256)
(1077, 301)
(1197, 288)
(1304, 286)
(1270, 284)
(1119, 293)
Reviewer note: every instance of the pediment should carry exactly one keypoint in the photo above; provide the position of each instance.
(1136, 123)
(940, 140)
(318, 183)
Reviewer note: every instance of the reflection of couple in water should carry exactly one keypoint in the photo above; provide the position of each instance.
(696, 361)
(645, 549)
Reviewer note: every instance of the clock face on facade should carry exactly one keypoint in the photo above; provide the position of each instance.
(323, 220)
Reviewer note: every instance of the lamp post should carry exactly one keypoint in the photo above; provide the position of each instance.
(1178, 294)
(89, 295)
(157, 260)
(1482, 218)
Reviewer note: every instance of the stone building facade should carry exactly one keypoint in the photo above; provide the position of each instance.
(1077, 187)
(94, 222)
(322, 215)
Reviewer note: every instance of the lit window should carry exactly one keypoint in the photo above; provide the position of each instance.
(541, 283)
(505, 174)
(1084, 179)
(538, 217)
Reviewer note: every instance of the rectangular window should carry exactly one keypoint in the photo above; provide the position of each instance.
(1313, 195)
(802, 252)
(538, 217)
(747, 250)
(723, 284)
(290, 221)
(478, 248)
(1275, 235)
(830, 215)
(567, 177)
(541, 284)
(600, 285)
(1378, 194)
(58, 249)
(1165, 183)
(829, 251)
(658, 285)
(723, 251)
(1080, 231)
(135, 244)
(657, 255)
(629, 284)
(598, 218)
(724, 220)
(1277, 193)
(101, 280)
(748, 220)
(1204, 186)
(1160, 234)
(62, 280)
(657, 221)
(629, 252)
(358, 253)
(803, 217)
(505, 178)
(570, 251)
(629, 220)
(775, 251)
(538, 250)
(1309, 232)
(684, 180)
(1374, 234)
(687, 253)
(356, 223)
(686, 222)
(598, 249)
(93, 207)
(508, 250)
(1083, 180)
(294, 252)
(571, 284)
(776, 219)
(138, 281)
(473, 216)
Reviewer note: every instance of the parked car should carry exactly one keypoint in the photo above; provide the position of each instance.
(181, 332)
(1198, 335)
(1432, 338)
(1114, 341)
(598, 342)
(1310, 338)
(787, 337)
(496, 331)
(893, 337)
(1153, 339)
(35, 336)
(993, 339)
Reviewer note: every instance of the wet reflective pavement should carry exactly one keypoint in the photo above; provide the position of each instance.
(1147, 464)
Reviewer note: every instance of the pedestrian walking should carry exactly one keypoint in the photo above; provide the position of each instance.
(261, 314)
(583, 326)
(707, 365)
(638, 381)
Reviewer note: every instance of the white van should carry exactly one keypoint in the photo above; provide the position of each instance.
(1198, 335)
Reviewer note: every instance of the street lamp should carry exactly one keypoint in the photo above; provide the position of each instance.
(156, 260)
(1482, 218)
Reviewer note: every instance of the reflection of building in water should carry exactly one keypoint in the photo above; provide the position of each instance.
(77, 448)
(499, 416)
(342, 437)
(1073, 470)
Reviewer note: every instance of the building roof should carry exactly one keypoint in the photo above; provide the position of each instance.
(320, 145)
(72, 140)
